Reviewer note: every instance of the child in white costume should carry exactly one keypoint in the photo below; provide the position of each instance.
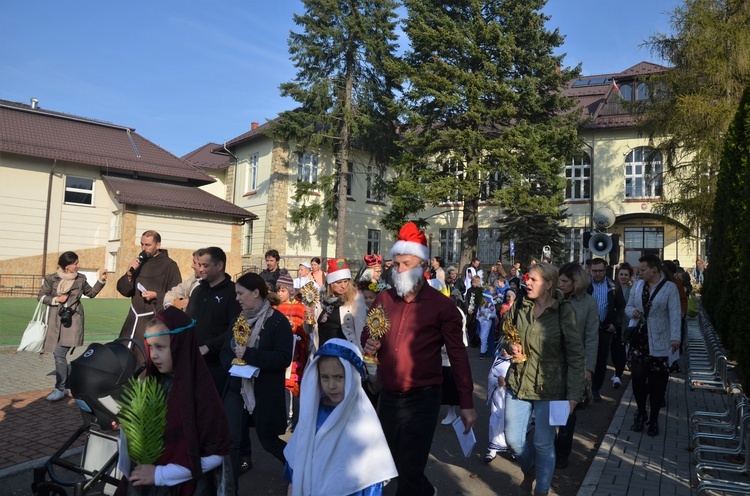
(486, 321)
(496, 400)
(338, 447)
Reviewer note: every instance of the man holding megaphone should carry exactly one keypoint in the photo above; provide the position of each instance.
(147, 280)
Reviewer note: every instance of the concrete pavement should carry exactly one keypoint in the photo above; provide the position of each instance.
(627, 463)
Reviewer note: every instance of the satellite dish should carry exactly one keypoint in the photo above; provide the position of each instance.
(604, 217)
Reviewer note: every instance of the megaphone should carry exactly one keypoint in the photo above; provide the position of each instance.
(600, 244)
(604, 218)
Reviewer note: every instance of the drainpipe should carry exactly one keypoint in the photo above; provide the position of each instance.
(236, 162)
(46, 218)
(591, 200)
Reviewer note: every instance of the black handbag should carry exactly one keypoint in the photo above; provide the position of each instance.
(586, 398)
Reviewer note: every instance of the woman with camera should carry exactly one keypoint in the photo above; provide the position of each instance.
(62, 292)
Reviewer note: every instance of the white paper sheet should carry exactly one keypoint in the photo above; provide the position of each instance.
(559, 412)
(467, 441)
(246, 371)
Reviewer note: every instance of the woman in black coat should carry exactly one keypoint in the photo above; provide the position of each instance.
(269, 347)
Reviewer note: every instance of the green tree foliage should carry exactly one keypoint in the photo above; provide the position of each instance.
(485, 119)
(727, 287)
(143, 417)
(693, 102)
(344, 84)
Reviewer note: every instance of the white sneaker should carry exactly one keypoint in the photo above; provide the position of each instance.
(616, 383)
(450, 417)
(56, 395)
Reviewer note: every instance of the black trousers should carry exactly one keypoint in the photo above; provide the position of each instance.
(618, 353)
(602, 355)
(408, 421)
(564, 439)
(648, 384)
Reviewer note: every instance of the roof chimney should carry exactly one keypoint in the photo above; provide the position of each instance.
(253, 126)
(34, 103)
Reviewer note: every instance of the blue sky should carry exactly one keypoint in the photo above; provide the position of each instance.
(184, 73)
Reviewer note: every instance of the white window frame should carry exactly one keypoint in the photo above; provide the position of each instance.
(307, 168)
(578, 177)
(247, 238)
(114, 229)
(252, 174)
(450, 245)
(373, 241)
(373, 176)
(70, 189)
(643, 176)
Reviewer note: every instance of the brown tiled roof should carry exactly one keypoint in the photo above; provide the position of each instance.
(592, 98)
(147, 193)
(204, 158)
(252, 134)
(46, 134)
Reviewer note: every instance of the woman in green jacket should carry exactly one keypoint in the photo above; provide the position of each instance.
(553, 370)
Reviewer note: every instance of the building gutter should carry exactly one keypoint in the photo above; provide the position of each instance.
(46, 218)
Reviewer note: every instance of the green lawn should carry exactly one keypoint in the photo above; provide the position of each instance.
(104, 318)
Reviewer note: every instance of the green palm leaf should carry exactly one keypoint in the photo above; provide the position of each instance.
(143, 418)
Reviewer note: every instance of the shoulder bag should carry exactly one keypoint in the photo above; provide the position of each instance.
(36, 331)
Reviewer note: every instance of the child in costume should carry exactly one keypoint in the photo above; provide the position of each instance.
(338, 447)
(197, 437)
(486, 323)
(496, 400)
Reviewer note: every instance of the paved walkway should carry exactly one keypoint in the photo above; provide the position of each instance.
(627, 463)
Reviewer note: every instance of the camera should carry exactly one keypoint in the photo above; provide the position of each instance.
(66, 316)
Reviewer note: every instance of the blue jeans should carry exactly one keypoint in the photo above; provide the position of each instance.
(542, 453)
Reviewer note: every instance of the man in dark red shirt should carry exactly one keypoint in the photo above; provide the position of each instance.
(410, 371)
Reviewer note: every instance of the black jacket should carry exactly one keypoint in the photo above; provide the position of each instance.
(213, 309)
(613, 311)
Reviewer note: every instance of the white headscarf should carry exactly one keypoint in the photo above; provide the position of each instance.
(349, 452)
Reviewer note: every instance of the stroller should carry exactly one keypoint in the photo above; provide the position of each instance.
(96, 381)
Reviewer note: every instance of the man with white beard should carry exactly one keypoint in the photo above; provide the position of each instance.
(410, 371)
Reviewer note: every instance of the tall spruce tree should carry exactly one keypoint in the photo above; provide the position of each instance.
(485, 118)
(726, 289)
(694, 101)
(344, 84)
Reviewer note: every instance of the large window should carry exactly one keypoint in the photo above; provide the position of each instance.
(252, 174)
(489, 248)
(247, 242)
(643, 173)
(639, 241)
(373, 242)
(493, 182)
(374, 180)
(574, 249)
(79, 190)
(307, 168)
(578, 178)
(450, 245)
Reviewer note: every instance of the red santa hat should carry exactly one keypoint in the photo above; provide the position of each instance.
(411, 241)
(373, 260)
(337, 269)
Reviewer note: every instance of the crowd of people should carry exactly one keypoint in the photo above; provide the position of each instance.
(549, 331)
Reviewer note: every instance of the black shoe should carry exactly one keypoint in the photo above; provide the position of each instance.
(653, 428)
(246, 464)
(638, 423)
(561, 462)
(597, 396)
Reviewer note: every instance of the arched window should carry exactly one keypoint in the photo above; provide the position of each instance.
(626, 92)
(643, 91)
(643, 173)
(578, 177)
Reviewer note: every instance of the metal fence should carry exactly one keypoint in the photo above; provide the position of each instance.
(19, 285)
